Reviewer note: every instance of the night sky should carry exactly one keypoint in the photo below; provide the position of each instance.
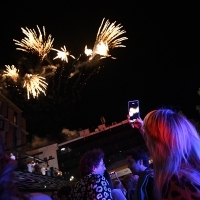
(160, 65)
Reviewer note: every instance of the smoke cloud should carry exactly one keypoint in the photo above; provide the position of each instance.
(70, 134)
(38, 142)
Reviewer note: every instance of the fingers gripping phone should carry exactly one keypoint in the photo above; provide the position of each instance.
(133, 110)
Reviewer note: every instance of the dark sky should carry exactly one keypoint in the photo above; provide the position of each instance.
(160, 65)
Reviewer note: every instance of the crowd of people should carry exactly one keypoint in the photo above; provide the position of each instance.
(97, 183)
(39, 168)
(173, 143)
(35, 167)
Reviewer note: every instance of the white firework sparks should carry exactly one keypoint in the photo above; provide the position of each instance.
(11, 71)
(34, 43)
(88, 52)
(37, 42)
(35, 85)
(63, 55)
(109, 34)
(102, 49)
(108, 37)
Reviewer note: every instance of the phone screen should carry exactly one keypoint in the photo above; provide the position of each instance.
(133, 110)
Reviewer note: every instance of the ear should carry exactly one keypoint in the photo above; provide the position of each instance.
(141, 162)
(93, 169)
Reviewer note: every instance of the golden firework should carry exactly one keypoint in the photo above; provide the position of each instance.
(102, 49)
(108, 37)
(35, 85)
(11, 71)
(88, 52)
(37, 42)
(109, 34)
(63, 55)
(34, 43)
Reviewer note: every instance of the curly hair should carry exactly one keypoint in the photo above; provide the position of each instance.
(89, 160)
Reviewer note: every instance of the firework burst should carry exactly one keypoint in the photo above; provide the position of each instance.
(108, 37)
(109, 34)
(63, 55)
(37, 42)
(102, 49)
(88, 52)
(34, 85)
(34, 43)
(11, 71)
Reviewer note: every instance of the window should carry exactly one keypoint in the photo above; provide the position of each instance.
(1, 125)
(1, 107)
(14, 137)
(15, 118)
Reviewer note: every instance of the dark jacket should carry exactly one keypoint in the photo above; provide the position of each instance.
(145, 185)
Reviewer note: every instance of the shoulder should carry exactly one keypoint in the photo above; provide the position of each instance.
(95, 186)
(118, 195)
(146, 182)
(146, 176)
(95, 178)
(85, 181)
(99, 188)
(37, 196)
(78, 190)
(181, 188)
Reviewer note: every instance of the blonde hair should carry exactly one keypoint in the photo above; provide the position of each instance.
(174, 145)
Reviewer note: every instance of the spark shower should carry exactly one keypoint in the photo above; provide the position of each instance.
(35, 79)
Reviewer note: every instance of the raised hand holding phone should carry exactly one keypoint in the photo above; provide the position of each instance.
(134, 115)
(133, 110)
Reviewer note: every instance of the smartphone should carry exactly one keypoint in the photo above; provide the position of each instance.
(111, 173)
(133, 110)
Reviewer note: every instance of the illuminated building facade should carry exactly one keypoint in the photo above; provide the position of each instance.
(45, 155)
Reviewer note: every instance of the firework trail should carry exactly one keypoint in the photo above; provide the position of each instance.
(63, 55)
(48, 71)
(95, 70)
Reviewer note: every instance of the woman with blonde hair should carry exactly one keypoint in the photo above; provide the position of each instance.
(174, 144)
